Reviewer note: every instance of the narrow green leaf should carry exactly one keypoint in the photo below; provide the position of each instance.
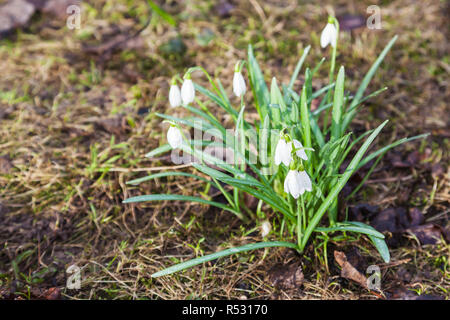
(352, 228)
(162, 13)
(259, 87)
(379, 243)
(338, 105)
(174, 197)
(306, 128)
(365, 82)
(167, 174)
(390, 146)
(220, 254)
(340, 184)
(160, 150)
(298, 67)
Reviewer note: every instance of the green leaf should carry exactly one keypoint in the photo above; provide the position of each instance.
(368, 77)
(338, 105)
(298, 67)
(220, 254)
(347, 226)
(378, 242)
(162, 13)
(306, 128)
(259, 87)
(174, 197)
(276, 97)
(390, 146)
(167, 174)
(160, 150)
(352, 167)
(223, 104)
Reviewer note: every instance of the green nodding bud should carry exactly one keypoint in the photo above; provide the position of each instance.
(331, 19)
(237, 66)
(287, 137)
(187, 75)
(173, 81)
(293, 165)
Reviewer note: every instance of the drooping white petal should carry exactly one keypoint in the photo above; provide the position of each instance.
(187, 91)
(286, 185)
(300, 153)
(174, 96)
(328, 36)
(265, 228)
(287, 154)
(238, 84)
(174, 137)
(293, 185)
(305, 180)
(283, 153)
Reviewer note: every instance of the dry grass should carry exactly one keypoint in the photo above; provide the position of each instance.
(74, 128)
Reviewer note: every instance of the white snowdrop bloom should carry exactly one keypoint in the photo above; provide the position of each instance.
(265, 228)
(187, 91)
(174, 96)
(283, 152)
(296, 183)
(300, 153)
(328, 36)
(174, 137)
(238, 84)
(293, 185)
(305, 180)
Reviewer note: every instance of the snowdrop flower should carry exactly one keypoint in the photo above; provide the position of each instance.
(174, 95)
(187, 90)
(174, 137)
(300, 152)
(329, 34)
(283, 151)
(296, 183)
(238, 84)
(265, 228)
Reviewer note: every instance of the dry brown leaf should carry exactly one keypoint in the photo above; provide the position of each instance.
(348, 271)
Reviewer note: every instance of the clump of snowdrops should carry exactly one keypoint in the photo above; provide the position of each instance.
(290, 159)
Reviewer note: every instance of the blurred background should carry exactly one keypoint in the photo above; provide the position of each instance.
(80, 84)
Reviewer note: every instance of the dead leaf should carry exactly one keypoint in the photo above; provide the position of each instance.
(348, 271)
(405, 294)
(349, 22)
(58, 8)
(5, 165)
(437, 171)
(15, 14)
(286, 277)
(116, 126)
(397, 219)
(52, 294)
(224, 8)
(428, 233)
(250, 201)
